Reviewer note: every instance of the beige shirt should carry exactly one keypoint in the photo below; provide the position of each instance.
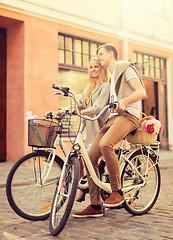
(123, 89)
(96, 102)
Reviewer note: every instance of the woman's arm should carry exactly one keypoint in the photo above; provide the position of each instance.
(81, 103)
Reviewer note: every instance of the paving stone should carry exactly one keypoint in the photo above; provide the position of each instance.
(117, 224)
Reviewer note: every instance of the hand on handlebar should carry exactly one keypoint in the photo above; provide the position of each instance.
(66, 111)
(120, 108)
(81, 112)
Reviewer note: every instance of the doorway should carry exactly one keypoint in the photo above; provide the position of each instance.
(3, 50)
(156, 105)
(150, 104)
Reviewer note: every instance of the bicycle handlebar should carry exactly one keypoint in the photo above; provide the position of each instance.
(67, 93)
(94, 118)
(65, 90)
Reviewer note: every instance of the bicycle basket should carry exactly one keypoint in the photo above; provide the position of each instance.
(140, 136)
(41, 133)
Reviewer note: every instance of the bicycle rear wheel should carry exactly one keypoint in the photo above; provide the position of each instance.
(140, 200)
(27, 193)
(64, 196)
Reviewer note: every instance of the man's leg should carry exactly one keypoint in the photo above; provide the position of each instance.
(96, 208)
(101, 145)
(94, 155)
(118, 130)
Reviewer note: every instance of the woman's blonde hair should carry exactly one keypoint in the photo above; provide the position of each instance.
(103, 77)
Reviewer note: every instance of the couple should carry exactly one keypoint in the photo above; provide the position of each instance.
(127, 87)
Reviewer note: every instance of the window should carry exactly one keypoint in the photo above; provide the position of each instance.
(150, 66)
(75, 52)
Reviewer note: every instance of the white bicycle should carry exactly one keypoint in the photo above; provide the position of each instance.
(32, 180)
(140, 176)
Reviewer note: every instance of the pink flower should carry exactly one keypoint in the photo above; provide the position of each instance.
(35, 116)
(145, 125)
(29, 115)
(152, 125)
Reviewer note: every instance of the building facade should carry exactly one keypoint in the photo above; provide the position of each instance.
(44, 42)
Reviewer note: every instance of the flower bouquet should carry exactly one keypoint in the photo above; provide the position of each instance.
(152, 126)
(148, 131)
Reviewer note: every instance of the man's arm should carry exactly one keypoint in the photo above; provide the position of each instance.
(138, 94)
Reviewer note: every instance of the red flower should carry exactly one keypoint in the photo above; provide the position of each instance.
(150, 128)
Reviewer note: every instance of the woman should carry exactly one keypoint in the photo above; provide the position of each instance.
(93, 99)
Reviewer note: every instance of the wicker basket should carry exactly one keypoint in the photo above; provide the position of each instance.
(140, 136)
(41, 133)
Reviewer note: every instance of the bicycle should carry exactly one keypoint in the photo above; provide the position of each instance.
(31, 181)
(140, 176)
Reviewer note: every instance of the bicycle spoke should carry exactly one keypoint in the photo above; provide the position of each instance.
(28, 191)
(64, 196)
(142, 186)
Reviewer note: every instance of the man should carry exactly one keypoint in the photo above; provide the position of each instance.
(126, 87)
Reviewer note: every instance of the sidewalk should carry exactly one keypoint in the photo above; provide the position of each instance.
(166, 159)
(116, 224)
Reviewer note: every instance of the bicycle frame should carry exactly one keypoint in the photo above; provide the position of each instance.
(88, 164)
(83, 153)
(50, 160)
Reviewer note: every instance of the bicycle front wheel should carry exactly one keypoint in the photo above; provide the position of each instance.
(28, 193)
(64, 196)
(140, 197)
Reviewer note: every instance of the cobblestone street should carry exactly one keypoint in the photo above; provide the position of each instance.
(116, 224)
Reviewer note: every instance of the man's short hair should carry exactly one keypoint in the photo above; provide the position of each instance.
(109, 47)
